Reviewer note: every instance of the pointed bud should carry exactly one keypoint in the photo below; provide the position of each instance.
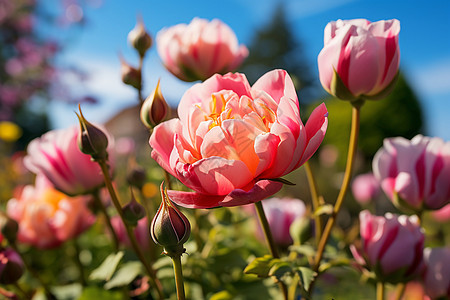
(91, 139)
(136, 175)
(154, 109)
(133, 211)
(139, 39)
(8, 228)
(11, 266)
(130, 75)
(170, 228)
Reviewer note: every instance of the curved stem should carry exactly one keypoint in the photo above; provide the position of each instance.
(177, 268)
(99, 204)
(380, 290)
(269, 238)
(137, 249)
(343, 191)
(315, 199)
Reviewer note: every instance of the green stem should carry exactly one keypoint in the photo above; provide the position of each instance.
(99, 204)
(140, 98)
(137, 249)
(78, 262)
(177, 268)
(167, 178)
(380, 290)
(269, 238)
(400, 291)
(343, 191)
(315, 199)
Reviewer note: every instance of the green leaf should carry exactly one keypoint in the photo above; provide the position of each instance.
(325, 209)
(125, 275)
(222, 295)
(280, 269)
(306, 277)
(261, 266)
(91, 292)
(107, 268)
(306, 250)
(334, 263)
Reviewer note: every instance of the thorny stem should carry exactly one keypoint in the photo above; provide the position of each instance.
(137, 249)
(269, 238)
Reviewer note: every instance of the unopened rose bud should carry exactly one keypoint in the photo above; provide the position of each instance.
(91, 140)
(130, 75)
(8, 228)
(154, 109)
(139, 39)
(11, 266)
(136, 175)
(133, 211)
(170, 228)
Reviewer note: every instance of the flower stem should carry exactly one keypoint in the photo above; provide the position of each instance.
(99, 204)
(268, 235)
(315, 199)
(177, 268)
(400, 291)
(137, 249)
(380, 290)
(345, 183)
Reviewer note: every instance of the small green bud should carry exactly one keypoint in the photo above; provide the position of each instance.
(154, 109)
(170, 228)
(91, 140)
(133, 211)
(136, 175)
(139, 39)
(130, 75)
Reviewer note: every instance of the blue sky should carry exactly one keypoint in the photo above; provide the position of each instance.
(424, 45)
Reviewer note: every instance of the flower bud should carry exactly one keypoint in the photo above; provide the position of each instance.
(130, 75)
(133, 211)
(8, 228)
(170, 228)
(136, 176)
(11, 266)
(92, 140)
(154, 109)
(139, 39)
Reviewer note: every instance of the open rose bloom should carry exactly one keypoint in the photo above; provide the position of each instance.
(231, 138)
(414, 173)
(47, 217)
(198, 50)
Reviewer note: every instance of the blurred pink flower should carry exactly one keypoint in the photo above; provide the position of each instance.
(414, 173)
(200, 49)
(437, 275)
(281, 213)
(47, 217)
(392, 246)
(231, 138)
(365, 188)
(56, 155)
(365, 57)
(443, 214)
(141, 232)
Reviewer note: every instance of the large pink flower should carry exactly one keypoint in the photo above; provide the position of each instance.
(364, 55)
(437, 275)
(414, 173)
(56, 155)
(392, 246)
(200, 49)
(47, 217)
(230, 138)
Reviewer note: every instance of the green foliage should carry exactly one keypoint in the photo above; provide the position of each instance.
(108, 267)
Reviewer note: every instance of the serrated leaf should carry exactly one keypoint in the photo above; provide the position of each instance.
(92, 292)
(280, 269)
(306, 277)
(306, 250)
(326, 209)
(107, 268)
(261, 266)
(125, 275)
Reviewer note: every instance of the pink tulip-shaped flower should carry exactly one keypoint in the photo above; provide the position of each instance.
(141, 232)
(365, 187)
(281, 213)
(360, 59)
(47, 217)
(200, 49)
(230, 138)
(56, 155)
(437, 275)
(414, 174)
(392, 246)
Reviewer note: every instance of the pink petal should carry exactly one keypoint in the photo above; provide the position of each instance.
(162, 142)
(277, 83)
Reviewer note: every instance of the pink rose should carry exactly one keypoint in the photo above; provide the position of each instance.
(200, 49)
(230, 138)
(392, 246)
(56, 155)
(437, 275)
(47, 217)
(359, 58)
(141, 232)
(365, 187)
(415, 173)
